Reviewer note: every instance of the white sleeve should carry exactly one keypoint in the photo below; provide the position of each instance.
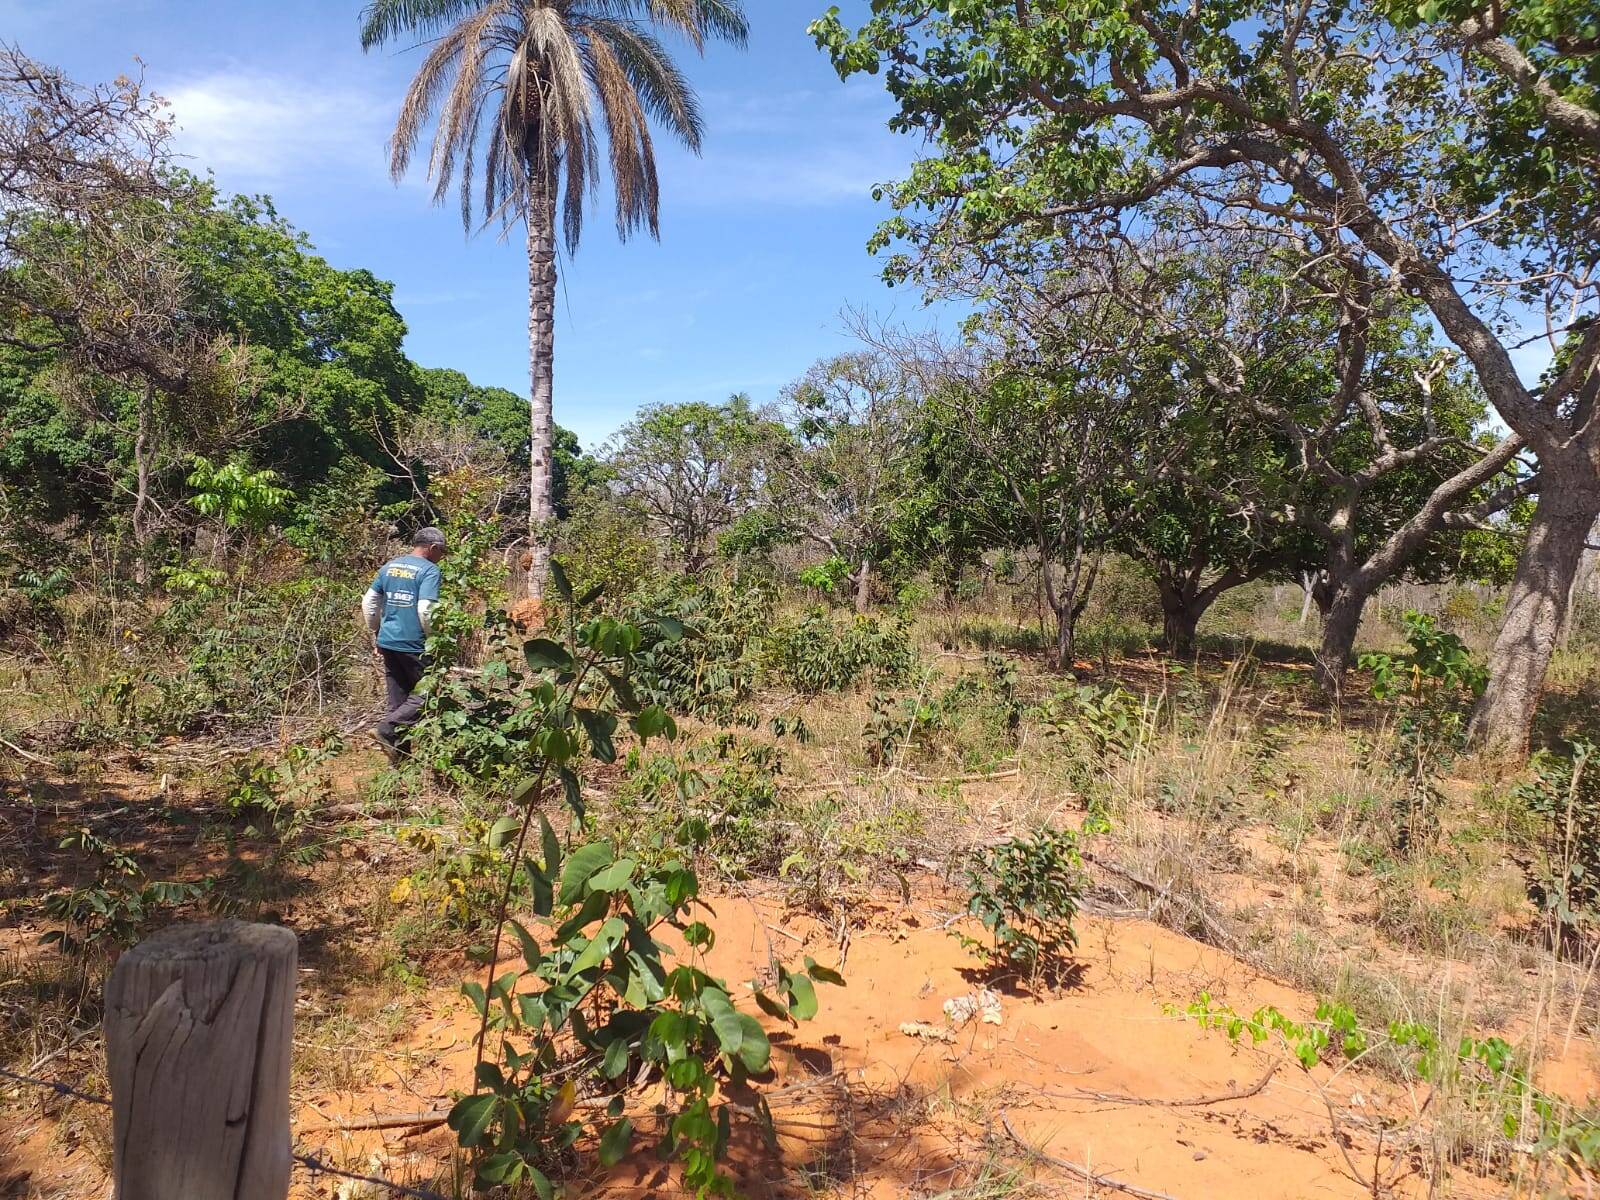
(372, 609)
(425, 610)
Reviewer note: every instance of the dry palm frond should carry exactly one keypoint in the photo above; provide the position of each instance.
(516, 91)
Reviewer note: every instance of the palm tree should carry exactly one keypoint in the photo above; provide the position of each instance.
(515, 90)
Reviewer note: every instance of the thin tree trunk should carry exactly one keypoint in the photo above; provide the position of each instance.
(541, 360)
(1341, 619)
(1535, 611)
(1588, 563)
(864, 586)
(141, 495)
(1308, 583)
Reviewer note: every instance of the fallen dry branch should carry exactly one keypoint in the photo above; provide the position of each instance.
(973, 777)
(27, 754)
(1082, 1172)
(1194, 1102)
(392, 1121)
(1219, 936)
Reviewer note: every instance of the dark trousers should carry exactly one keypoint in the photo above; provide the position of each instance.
(401, 674)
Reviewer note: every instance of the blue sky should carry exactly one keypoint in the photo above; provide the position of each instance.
(762, 239)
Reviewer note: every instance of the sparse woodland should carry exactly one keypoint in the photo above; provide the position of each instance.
(1140, 738)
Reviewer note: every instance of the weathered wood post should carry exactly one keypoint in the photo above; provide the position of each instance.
(199, 1021)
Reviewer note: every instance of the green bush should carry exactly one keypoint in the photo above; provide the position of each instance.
(1562, 793)
(1025, 891)
(598, 999)
(701, 645)
(716, 799)
(820, 653)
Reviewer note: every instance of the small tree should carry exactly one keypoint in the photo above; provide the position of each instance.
(837, 466)
(693, 468)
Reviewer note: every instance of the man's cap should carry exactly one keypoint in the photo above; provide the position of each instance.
(428, 536)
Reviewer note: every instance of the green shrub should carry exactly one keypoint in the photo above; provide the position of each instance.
(1100, 720)
(701, 642)
(1025, 891)
(119, 906)
(820, 653)
(598, 1000)
(1562, 793)
(976, 715)
(716, 799)
(1428, 687)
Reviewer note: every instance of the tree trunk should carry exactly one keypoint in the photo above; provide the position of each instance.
(541, 362)
(1066, 639)
(141, 495)
(1341, 619)
(1535, 611)
(864, 586)
(1308, 583)
(1180, 614)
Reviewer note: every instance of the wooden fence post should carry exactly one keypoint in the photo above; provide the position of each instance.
(199, 1022)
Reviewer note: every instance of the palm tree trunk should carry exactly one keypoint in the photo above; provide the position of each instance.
(541, 363)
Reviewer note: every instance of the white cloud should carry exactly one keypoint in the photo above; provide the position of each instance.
(800, 148)
(255, 128)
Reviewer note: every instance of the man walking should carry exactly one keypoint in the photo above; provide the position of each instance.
(398, 608)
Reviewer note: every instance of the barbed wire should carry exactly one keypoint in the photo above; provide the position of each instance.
(317, 1166)
(59, 1089)
(309, 1161)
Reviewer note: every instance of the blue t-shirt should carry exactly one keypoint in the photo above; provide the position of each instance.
(402, 583)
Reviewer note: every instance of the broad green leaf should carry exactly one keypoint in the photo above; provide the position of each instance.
(585, 861)
(558, 576)
(542, 654)
(572, 789)
(755, 1051)
(531, 955)
(729, 1030)
(503, 829)
(594, 907)
(618, 1053)
(802, 997)
(503, 986)
(770, 1006)
(599, 726)
(654, 721)
(614, 1142)
(473, 991)
(541, 1183)
(472, 1116)
(623, 690)
(552, 846)
(682, 887)
(533, 1013)
(613, 878)
(505, 1167)
(603, 943)
(543, 894)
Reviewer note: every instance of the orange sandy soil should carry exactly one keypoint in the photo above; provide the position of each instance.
(864, 1109)
(861, 1108)
(887, 1114)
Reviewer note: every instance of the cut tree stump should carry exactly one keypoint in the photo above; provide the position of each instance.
(199, 1022)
